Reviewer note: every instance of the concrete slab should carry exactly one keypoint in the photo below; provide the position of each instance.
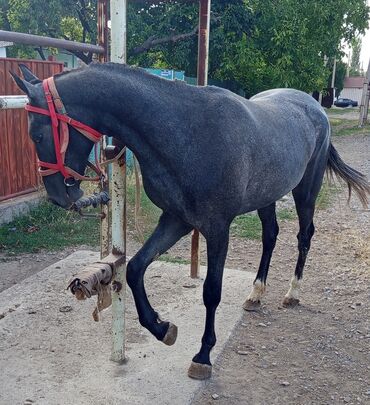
(12, 208)
(53, 357)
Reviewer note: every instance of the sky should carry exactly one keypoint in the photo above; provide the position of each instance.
(365, 51)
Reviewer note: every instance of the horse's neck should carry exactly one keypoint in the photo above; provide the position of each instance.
(137, 109)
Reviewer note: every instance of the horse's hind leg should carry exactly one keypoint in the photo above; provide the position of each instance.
(270, 230)
(168, 231)
(305, 195)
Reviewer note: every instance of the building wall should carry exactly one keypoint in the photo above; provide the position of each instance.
(353, 94)
(70, 61)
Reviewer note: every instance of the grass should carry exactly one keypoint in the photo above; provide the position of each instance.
(170, 259)
(249, 225)
(148, 214)
(47, 227)
(327, 193)
(345, 127)
(352, 130)
(341, 111)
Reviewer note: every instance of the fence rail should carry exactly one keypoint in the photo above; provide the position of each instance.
(29, 39)
(12, 102)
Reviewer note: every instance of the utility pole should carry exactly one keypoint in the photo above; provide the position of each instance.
(320, 94)
(333, 78)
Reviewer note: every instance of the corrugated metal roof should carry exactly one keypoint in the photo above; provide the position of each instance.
(354, 82)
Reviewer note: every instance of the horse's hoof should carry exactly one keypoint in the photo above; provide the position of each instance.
(290, 302)
(199, 371)
(171, 335)
(252, 305)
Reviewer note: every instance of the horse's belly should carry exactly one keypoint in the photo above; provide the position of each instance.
(272, 181)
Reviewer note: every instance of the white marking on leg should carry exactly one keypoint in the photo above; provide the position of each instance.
(258, 291)
(294, 289)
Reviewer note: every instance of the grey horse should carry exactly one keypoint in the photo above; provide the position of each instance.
(206, 155)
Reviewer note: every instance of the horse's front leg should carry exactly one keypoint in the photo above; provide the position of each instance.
(168, 231)
(217, 245)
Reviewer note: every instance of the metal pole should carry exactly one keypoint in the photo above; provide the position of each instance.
(203, 52)
(118, 12)
(203, 41)
(103, 29)
(12, 102)
(364, 107)
(104, 208)
(37, 40)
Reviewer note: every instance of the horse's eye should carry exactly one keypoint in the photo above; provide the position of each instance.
(36, 138)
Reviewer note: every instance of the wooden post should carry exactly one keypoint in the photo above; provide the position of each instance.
(118, 12)
(203, 51)
(364, 107)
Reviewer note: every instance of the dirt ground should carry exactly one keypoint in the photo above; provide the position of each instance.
(316, 353)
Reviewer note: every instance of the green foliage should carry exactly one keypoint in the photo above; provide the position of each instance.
(289, 41)
(355, 69)
(67, 19)
(259, 44)
(256, 44)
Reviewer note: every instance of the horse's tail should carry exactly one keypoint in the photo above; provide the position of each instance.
(354, 179)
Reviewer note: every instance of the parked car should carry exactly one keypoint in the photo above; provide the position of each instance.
(345, 102)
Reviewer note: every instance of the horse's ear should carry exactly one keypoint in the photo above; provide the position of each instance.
(26, 87)
(28, 75)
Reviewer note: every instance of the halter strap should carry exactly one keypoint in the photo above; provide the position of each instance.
(59, 118)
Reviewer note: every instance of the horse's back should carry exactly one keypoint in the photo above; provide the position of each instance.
(288, 128)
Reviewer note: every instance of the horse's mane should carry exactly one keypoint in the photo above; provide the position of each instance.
(107, 66)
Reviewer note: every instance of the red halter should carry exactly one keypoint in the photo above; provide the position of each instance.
(59, 117)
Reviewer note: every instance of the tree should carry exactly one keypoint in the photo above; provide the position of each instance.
(256, 44)
(355, 68)
(290, 40)
(68, 19)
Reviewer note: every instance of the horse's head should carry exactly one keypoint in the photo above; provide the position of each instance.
(62, 169)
